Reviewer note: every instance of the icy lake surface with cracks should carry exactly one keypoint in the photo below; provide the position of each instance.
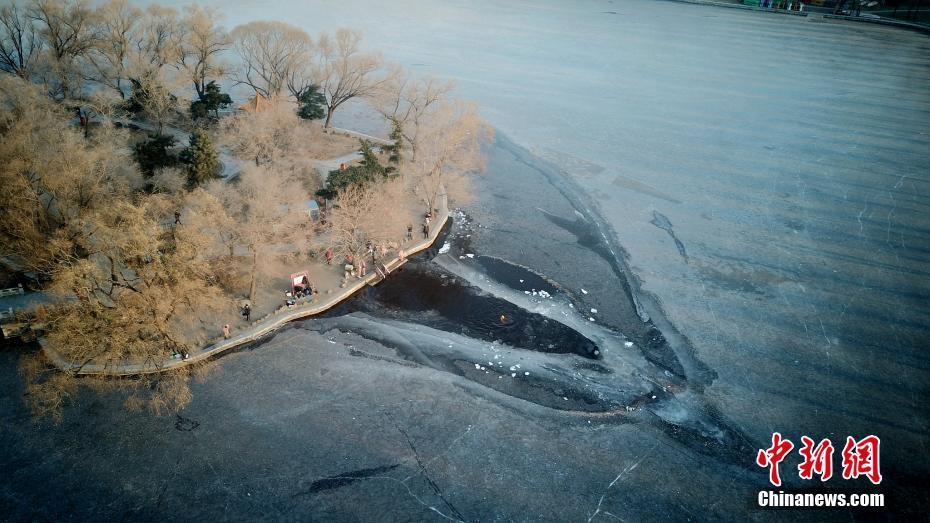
(743, 199)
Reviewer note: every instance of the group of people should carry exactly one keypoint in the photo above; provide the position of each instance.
(304, 289)
(353, 267)
(358, 267)
(425, 228)
(427, 218)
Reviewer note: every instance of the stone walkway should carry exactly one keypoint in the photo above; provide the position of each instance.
(260, 328)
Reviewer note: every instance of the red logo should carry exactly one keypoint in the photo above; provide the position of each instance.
(774, 455)
(860, 458)
(816, 460)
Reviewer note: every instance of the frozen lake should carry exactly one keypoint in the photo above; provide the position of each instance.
(789, 158)
(766, 180)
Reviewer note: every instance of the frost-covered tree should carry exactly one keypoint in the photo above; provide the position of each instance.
(267, 207)
(202, 44)
(273, 56)
(346, 72)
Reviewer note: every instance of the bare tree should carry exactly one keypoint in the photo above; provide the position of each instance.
(20, 43)
(363, 213)
(454, 134)
(265, 208)
(408, 102)
(345, 72)
(51, 177)
(160, 43)
(202, 44)
(153, 92)
(138, 294)
(134, 45)
(119, 36)
(68, 30)
(273, 56)
(274, 135)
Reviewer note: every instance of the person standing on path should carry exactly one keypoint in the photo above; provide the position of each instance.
(247, 312)
(226, 331)
(329, 256)
(409, 232)
(426, 230)
(363, 267)
(177, 217)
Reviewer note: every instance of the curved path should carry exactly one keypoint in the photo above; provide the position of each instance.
(258, 329)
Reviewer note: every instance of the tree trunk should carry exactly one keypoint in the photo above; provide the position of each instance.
(329, 118)
(252, 276)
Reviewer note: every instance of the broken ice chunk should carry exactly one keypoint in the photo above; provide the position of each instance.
(628, 344)
(593, 311)
(583, 291)
(445, 248)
